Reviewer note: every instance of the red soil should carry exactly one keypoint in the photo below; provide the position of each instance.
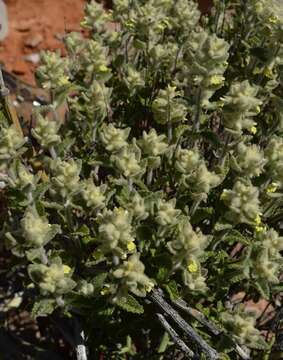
(36, 25)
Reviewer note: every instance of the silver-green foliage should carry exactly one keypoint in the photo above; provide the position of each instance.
(171, 143)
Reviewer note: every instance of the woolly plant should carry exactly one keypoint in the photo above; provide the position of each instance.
(166, 172)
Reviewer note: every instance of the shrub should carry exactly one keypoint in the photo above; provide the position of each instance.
(166, 173)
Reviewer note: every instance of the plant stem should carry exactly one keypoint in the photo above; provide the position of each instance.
(149, 177)
(169, 131)
(53, 152)
(196, 124)
(195, 206)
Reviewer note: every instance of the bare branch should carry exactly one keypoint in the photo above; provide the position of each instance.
(80, 342)
(175, 337)
(198, 316)
(210, 326)
(157, 298)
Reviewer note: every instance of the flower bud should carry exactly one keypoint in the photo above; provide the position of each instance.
(132, 277)
(46, 132)
(36, 229)
(243, 202)
(113, 138)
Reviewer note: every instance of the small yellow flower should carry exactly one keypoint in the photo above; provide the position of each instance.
(103, 68)
(66, 269)
(192, 266)
(63, 80)
(216, 80)
(260, 229)
(257, 109)
(272, 188)
(273, 19)
(253, 130)
(259, 226)
(149, 287)
(258, 220)
(268, 72)
(131, 246)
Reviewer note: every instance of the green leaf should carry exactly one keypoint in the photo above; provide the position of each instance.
(263, 288)
(43, 307)
(220, 225)
(222, 170)
(34, 254)
(234, 236)
(259, 344)
(165, 341)
(106, 311)
(130, 304)
(98, 281)
(82, 231)
(162, 274)
(179, 131)
(40, 191)
(172, 290)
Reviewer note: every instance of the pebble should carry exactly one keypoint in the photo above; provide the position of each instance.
(34, 58)
(34, 40)
(24, 25)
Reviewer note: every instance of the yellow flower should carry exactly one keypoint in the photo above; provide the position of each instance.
(258, 220)
(149, 287)
(103, 68)
(260, 228)
(268, 72)
(66, 269)
(273, 19)
(272, 188)
(216, 79)
(192, 266)
(253, 130)
(131, 246)
(63, 80)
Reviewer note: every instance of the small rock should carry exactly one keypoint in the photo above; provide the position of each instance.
(34, 40)
(24, 25)
(20, 67)
(33, 58)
